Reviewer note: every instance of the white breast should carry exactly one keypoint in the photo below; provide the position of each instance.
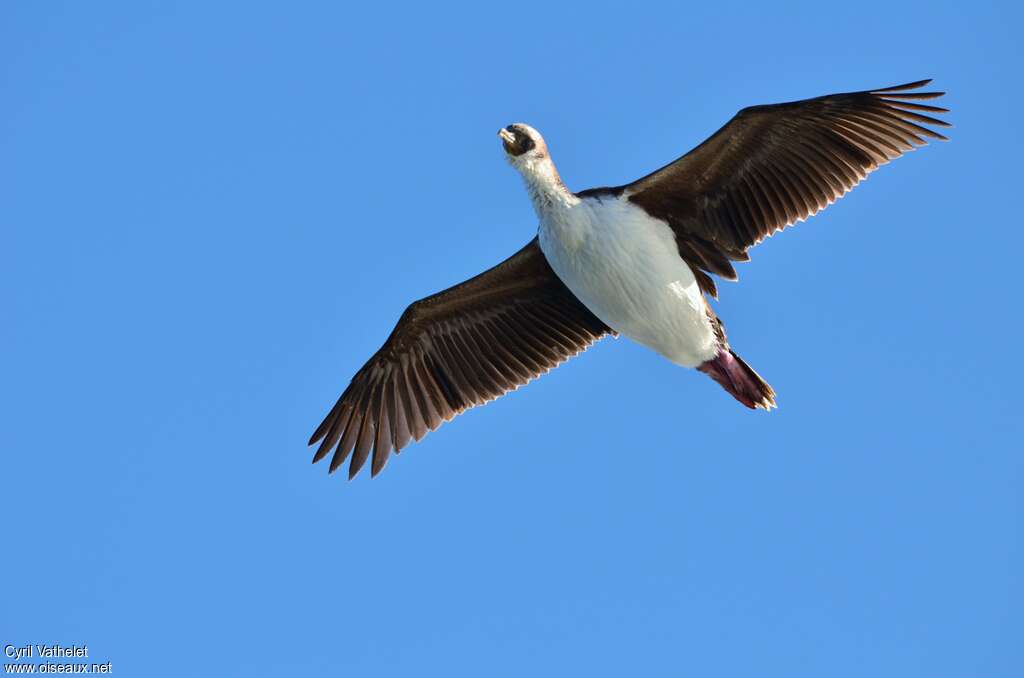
(624, 266)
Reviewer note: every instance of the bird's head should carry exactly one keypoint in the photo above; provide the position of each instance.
(526, 151)
(523, 145)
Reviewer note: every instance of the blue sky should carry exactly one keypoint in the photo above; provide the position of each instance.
(211, 215)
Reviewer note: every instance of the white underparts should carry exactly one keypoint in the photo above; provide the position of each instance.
(622, 263)
(625, 267)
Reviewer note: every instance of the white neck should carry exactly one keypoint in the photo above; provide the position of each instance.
(547, 192)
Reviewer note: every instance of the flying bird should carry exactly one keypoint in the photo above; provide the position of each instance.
(634, 260)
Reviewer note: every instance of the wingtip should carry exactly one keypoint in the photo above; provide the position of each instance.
(376, 468)
(905, 86)
(336, 463)
(322, 429)
(324, 448)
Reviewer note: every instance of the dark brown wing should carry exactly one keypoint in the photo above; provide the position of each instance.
(772, 166)
(454, 350)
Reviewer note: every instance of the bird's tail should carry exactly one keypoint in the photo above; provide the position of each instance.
(737, 377)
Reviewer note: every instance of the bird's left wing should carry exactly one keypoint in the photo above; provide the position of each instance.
(454, 350)
(772, 166)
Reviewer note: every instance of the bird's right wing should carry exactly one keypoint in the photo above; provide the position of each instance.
(454, 350)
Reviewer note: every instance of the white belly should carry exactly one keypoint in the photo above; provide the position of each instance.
(624, 266)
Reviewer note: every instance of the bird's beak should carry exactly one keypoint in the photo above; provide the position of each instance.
(506, 136)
